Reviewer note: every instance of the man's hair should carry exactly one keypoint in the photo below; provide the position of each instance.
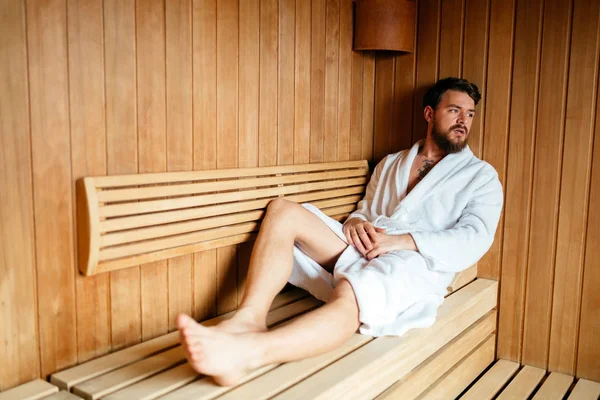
(434, 95)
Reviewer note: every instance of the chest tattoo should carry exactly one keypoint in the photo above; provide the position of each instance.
(424, 170)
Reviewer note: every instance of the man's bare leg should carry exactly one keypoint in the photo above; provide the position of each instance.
(228, 357)
(271, 262)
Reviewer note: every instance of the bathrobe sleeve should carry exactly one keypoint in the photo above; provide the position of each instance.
(365, 206)
(461, 246)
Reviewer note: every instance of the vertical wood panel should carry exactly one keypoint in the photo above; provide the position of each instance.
(356, 106)
(403, 108)
(151, 92)
(249, 73)
(267, 133)
(519, 175)
(249, 67)
(88, 154)
(302, 83)
(588, 351)
(285, 87)
(121, 153)
(384, 104)
(179, 136)
(204, 28)
(451, 38)
(474, 62)
(368, 105)
(47, 44)
(345, 80)
(546, 182)
(227, 136)
(495, 141)
(427, 46)
(19, 346)
(572, 217)
(332, 49)
(317, 80)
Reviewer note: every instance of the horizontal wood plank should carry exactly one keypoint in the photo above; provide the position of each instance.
(523, 385)
(585, 390)
(488, 386)
(555, 387)
(33, 390)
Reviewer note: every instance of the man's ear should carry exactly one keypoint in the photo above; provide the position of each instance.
(428, 114)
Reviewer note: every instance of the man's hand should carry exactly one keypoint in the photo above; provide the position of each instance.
(383, 243)
(359, 233)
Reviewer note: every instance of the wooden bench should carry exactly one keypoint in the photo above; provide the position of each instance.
(130, 220)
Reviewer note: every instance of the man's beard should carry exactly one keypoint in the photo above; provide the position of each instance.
(442, 141)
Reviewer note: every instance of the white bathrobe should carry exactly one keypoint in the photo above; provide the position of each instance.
(452, 215)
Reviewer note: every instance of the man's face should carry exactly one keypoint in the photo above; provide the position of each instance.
(452, 121)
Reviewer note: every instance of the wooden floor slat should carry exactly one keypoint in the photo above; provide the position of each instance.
(460, 376)
(585, 390)
(524, 384)
(84, 372)
(369, 370)
(419, 379)
(63, 395)
(29, 391)
(493, 381)
(555, 387)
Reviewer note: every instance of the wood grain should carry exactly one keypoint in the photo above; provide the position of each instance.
(384, 105)
(19, 340)
(267, 125)
(178, 29)
(495, 141)
(345, 81)
(574, 192)
(152, 135)
(519, 178)
(52, 183)
(317, 79)
(427, 45)
(452, 27)
(122, 153)
(332, 55)
(88, 155)
(204, 31)
(404, 106)
(546, 183)
(474, 62)
(368, 105)
(302, 82)
(286, 82)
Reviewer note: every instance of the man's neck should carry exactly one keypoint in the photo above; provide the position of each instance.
(430, 150)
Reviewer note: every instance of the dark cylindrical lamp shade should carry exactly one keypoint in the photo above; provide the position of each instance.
(385, 25)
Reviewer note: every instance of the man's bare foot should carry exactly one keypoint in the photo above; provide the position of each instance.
(227, 357)
(242, 321)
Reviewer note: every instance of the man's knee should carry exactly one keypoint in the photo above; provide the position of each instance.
(344, 294)
(280, 207)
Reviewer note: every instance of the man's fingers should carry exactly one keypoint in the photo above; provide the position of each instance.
(370, 229)
(380, 230)
(362, 234)
(357, 243)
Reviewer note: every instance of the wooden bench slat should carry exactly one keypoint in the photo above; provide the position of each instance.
(68, 378)
(173, 177)
(585, 390)
(137, 235)
(493, 381)
(151, 206)
(288, 374)
(374, 367)
(555, 387)
(461, 375)
(186, 189)
(463, 278)
(340, 196)
(428, 372)
(29, 391)
(63, 395)
(523, 385)
(157, 385)
(133, 373)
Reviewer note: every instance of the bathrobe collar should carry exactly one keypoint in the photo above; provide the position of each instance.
(438, 174)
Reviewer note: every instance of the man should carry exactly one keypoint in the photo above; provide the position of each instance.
(428, 212)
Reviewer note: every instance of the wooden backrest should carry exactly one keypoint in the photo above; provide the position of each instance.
(130, 220)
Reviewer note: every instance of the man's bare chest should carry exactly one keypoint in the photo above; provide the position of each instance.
(419, 170)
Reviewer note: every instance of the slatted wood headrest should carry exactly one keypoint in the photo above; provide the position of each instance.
(130, 220)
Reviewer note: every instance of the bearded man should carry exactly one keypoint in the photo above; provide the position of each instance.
(428, 212)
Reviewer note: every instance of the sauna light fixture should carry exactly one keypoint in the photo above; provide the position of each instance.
(385, 25)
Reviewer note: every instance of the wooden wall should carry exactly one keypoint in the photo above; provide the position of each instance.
(92, 87)
(536, 62)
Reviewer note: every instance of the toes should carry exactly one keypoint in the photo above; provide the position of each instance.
(184, 321)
